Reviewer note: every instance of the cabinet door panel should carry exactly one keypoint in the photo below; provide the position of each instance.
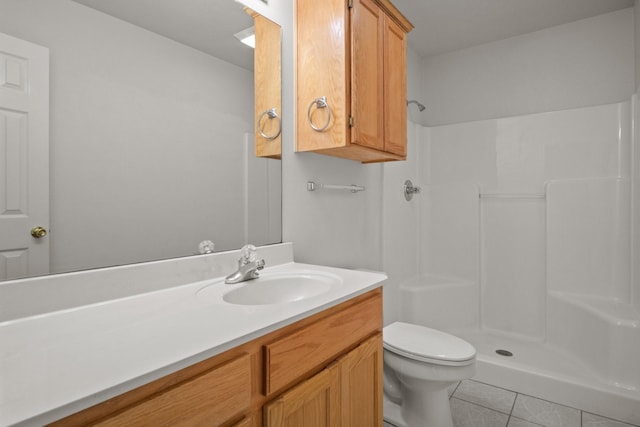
(361, 384)
(314, 403)
(395, 88)
(367, 95)
(321, 66)
(267, 83)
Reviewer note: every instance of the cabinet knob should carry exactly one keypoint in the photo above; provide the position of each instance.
(38, 232)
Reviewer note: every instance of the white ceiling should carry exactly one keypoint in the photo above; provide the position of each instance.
(447, 25)
(440, 25)
(206, 25)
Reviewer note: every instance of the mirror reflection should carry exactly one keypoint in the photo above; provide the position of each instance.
(150, 136)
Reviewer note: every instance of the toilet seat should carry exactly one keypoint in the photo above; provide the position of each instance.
(427, 345)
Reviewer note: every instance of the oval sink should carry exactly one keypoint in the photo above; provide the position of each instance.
(277, 288)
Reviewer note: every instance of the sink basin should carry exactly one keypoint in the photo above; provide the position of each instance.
(277, 288)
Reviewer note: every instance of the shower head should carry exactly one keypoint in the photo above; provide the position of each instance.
(420, 106)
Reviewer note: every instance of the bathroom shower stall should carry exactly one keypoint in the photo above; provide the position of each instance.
(523, 231)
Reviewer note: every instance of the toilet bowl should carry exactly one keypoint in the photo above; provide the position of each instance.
(420, 363)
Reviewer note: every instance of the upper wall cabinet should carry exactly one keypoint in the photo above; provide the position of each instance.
(351, 79)
(267, 85)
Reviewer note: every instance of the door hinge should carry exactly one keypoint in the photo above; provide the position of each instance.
(350, 4)
(350, 121)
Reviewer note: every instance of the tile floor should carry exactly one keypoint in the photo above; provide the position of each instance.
(475, 404)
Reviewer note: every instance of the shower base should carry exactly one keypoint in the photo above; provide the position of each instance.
(546, 372)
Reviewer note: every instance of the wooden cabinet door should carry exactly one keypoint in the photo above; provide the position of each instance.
(367, 72)
(313, 403)
(361, 384)
(321, 68)
(395, 88)
(268, 87)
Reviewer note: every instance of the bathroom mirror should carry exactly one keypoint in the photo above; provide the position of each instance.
(151, 130)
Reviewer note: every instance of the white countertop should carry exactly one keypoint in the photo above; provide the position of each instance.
(55, 364)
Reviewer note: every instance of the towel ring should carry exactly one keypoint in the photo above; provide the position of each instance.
(271, 114)
(319, 103)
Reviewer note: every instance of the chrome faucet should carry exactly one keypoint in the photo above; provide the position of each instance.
(248, 266)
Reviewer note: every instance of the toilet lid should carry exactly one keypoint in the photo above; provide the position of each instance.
(426, 344)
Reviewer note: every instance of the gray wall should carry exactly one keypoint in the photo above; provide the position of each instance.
(583, 63)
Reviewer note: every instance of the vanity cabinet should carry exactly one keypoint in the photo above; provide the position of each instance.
(329, 363)
(351, 79)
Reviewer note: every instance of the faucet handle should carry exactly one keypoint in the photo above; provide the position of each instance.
(206, 247)
(248, 254)
(259, 266)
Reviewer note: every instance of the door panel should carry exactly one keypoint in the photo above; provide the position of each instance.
(314, 403)
(395, 78)
(361, 384)
(367, 74)
(24, 157)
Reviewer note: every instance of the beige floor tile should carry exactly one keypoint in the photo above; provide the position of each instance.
(545, 413)
(590, 420)
(486, 395)
(467, 414)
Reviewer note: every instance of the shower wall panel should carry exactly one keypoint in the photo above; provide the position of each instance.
(588, 234)
(450, 232)
(583, 158)
(513, 293)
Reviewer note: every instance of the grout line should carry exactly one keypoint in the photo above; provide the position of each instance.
(494, 386)
(545, 400)
(513, 405)
(510, 414)
(549, 401)
(526, 421)
(482, 406)
(607, 418)
(486, 407)
(456, 389)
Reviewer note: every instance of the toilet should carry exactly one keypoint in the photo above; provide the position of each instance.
(420, 363)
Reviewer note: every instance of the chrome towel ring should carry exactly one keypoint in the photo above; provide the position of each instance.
(320, 102)
(271, 114)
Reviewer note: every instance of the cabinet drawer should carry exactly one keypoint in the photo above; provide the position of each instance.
(292, 356)
(211, 399)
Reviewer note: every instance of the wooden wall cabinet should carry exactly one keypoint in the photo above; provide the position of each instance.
(325, 370)
(351, 79)
(268, 87)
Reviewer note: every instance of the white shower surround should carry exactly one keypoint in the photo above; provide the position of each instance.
(545, 272)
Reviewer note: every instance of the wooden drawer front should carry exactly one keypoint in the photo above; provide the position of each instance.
(291, 357)
(209, 399)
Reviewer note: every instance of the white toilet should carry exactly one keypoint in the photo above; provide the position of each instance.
(420, 363)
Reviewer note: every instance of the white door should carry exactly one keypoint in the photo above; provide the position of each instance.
(24, 157)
